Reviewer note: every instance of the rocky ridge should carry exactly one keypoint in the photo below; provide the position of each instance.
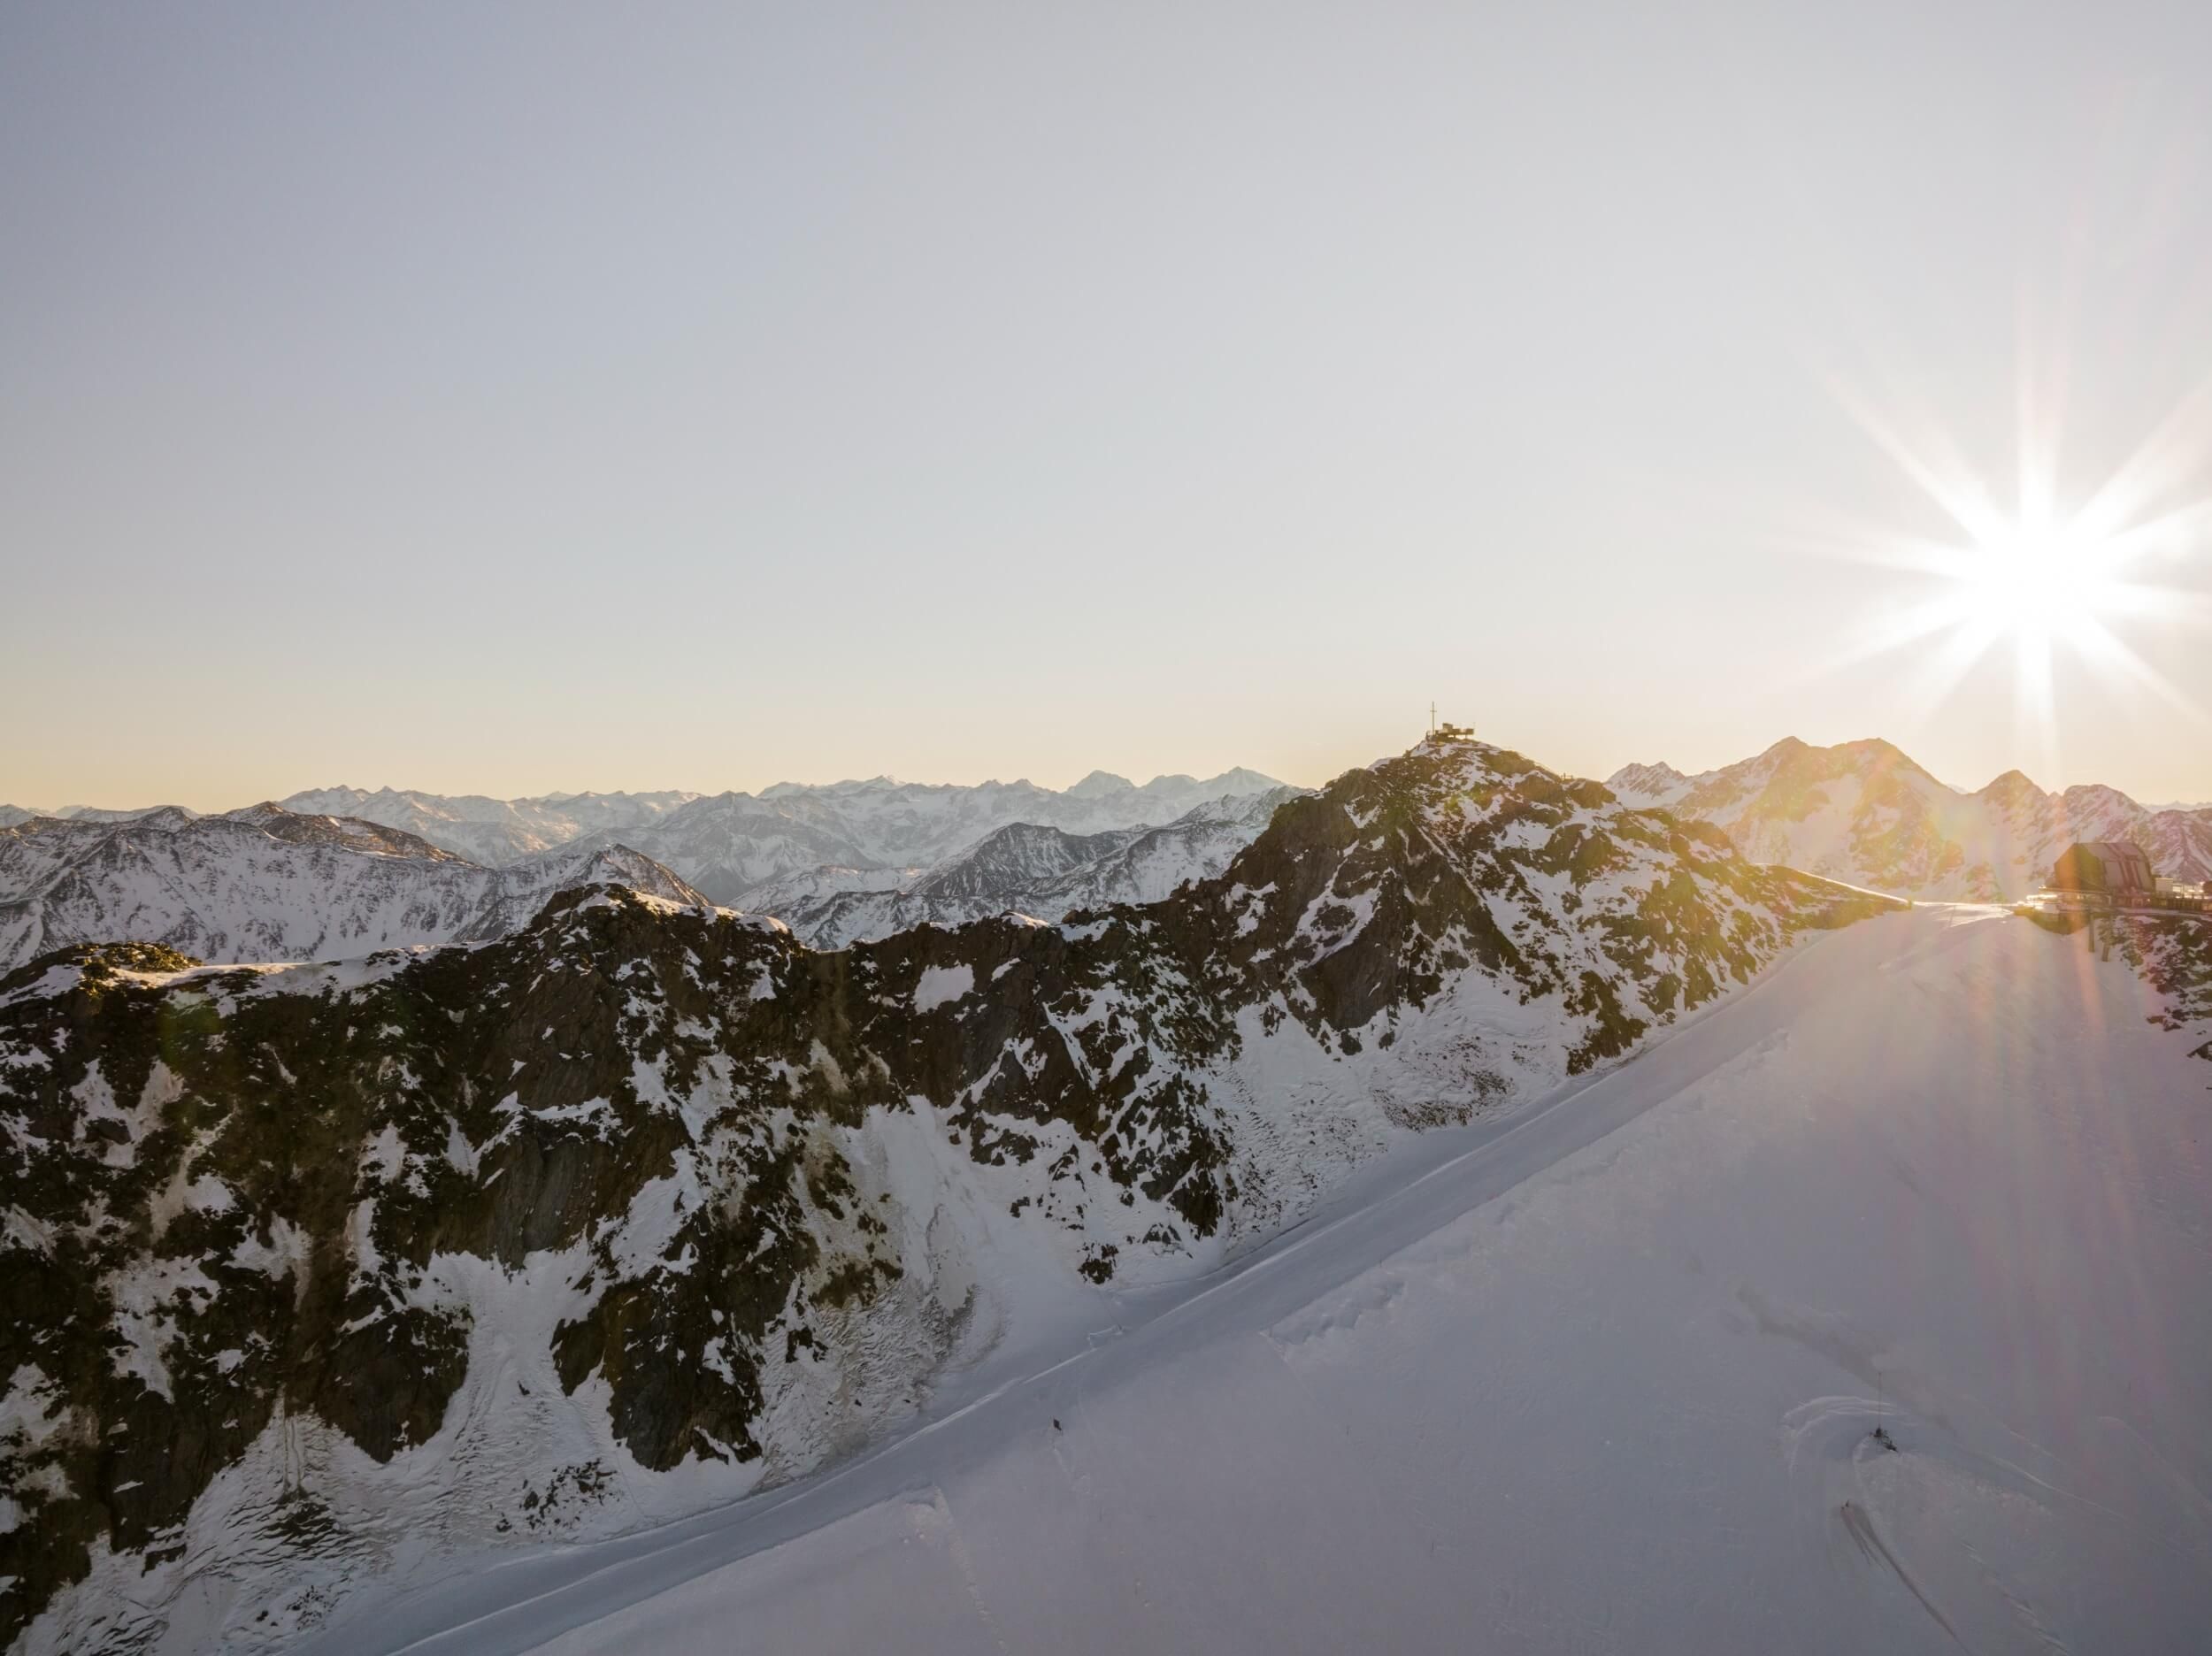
(315, 1269)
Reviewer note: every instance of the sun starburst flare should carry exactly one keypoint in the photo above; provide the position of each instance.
(2043, 580)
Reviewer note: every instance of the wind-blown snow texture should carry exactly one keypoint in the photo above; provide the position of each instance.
(331, 1274)
(265, 883)
(1864, 813)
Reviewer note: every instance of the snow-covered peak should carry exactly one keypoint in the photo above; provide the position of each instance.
(493, 832)
(1865, 813)
(267, 883)
(885, 784)
(739, 848)
(133, 813)
(2013, 787)
(1241, 782)
(1100, 783)
(1030, 868)
(1649, 784)
(728, 844)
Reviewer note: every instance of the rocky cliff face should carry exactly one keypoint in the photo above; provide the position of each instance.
(1864, 813)
(312, 1271)
(265, 883)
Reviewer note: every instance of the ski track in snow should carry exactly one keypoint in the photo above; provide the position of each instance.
(1505, 1346)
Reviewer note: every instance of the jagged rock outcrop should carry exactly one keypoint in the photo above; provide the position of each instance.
(648, 1202)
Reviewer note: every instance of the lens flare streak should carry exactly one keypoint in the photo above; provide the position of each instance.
(2033, 576)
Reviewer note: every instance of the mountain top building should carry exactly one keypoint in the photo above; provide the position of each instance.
(2104, 873)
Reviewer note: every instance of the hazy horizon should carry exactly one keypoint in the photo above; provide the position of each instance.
(1139, 777)
(526, 400)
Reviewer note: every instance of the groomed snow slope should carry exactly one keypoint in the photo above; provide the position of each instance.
(1599, 1377)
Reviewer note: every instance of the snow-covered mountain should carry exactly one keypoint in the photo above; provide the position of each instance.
(1649, 785)
(119, 813)
(728, 844)
(11, 814)
(732, 846)
(789, 844)
(488, 831)
(1864, 813)
(1861, 1314)
(1023, 869)
(330, 1272)
(267, 883)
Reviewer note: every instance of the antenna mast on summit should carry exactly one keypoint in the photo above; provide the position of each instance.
(1431, 718)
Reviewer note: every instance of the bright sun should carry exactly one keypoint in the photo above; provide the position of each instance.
(2026, 574)
(2033, 581)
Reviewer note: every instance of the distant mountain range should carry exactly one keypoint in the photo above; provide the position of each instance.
(1864, 812)
(267, 883)
(342, 871)
(726, 844)
(1025, 867)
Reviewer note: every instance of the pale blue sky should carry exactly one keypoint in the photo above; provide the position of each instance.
(523, 398)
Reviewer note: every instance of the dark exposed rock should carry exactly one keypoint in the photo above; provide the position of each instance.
(233, 1195)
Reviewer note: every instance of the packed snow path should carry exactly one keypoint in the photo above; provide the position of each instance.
(1606, 1377)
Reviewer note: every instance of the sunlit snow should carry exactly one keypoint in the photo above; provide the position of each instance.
(1604, 1375)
